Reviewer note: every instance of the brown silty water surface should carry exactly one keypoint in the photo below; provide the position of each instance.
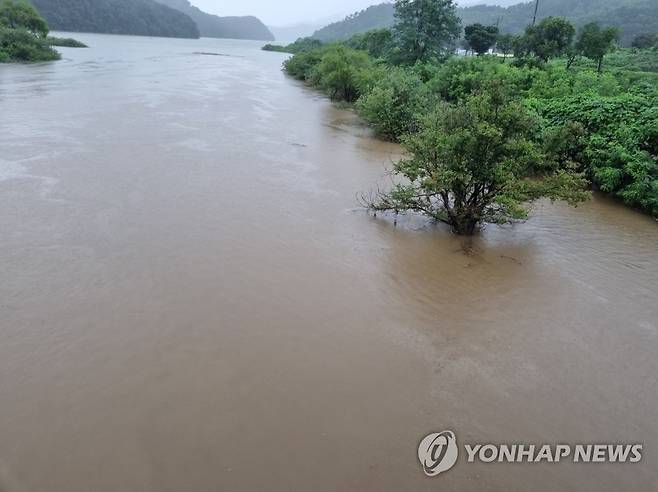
(190, 299)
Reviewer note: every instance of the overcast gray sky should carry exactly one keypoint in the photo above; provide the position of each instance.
(287, 12)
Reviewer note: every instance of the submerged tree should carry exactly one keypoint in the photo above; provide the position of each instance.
(423, 28)
(476, 162)
(480, 38)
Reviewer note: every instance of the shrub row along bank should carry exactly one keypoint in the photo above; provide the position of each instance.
(469, 165)
(65, 42)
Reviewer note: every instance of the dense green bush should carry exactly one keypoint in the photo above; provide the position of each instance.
(20, 45)
(342, 73)
(620, 150)
(642, 60)
(460, 77)
(23, 33)
(474, 162)
(66, 42)
(301, 65)
(602, 125)
(378, 43)
(395, 104)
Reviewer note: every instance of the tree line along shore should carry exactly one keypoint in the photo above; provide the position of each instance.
(553, 112)
(24, 34)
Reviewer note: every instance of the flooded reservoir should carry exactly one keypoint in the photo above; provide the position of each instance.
(191, 300)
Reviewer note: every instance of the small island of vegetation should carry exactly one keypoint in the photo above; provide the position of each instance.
(24, 34)
(485, 136)
(65, 42)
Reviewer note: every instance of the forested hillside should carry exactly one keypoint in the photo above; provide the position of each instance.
(374, 17)
(139, 17)
(632, 17)
(213, 26)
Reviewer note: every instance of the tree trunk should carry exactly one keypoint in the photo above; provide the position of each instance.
(464, 225)
(570, 61)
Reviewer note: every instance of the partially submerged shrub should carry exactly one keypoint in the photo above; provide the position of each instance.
(395, 104)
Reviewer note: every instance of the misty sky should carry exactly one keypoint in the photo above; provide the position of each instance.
(287, 12)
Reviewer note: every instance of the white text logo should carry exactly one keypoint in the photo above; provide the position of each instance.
(438, 453)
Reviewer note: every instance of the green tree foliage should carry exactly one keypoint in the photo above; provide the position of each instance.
(23, 33)
(505, 44)
(378, 42)
(626, 60)
(302, 66)
(20, 45)
(396, 104)
(645, 41)
(550, 38)
(460, 78)
(342, 73)
(474, 162)
(18, 14)
(600, 126)
(424, 29)
(595, 42)
(139, 17)
(480, 38)
(620, 142)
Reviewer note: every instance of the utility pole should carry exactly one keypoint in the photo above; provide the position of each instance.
(534, 19)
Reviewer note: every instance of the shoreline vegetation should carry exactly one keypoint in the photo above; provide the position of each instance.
(65, 42)
(553, 112)
(24, 35)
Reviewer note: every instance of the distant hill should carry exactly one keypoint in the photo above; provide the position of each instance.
(632, 17)
(138, 17)
(213, 26)
(374, 17)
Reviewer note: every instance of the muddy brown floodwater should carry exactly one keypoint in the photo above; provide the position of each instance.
(191, 301)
